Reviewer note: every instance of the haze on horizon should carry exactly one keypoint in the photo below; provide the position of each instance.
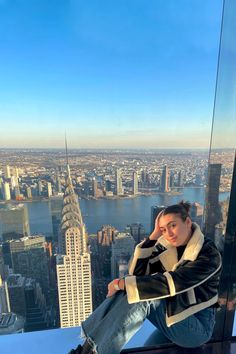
(127, 74)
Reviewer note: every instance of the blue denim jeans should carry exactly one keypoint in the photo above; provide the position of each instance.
(115, 321)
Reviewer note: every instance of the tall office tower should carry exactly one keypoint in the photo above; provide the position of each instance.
(165, 179)
(29, 192)
(196, 213)
(56, 205)
(16, 293)
(14, 182)
(26, 299)
(135, 183)
(4, 298)
(6, 255)
(119, 186)
(4, 268)
(49, 189)
(180, 180)
(100, 246)
(94, 187)
(212, 215)
(137, 231)
(122, 249)
(7, 172)
(155, 210)
(101, 269)
(15, 222)
(172, 179)
(30, 259)
(145, 179)
(74, 264)
(59, 187)
(15, 172)
(37, 316)
(40, 188)
(6, 191)
(106, 236)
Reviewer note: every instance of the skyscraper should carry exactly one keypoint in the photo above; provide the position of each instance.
(94, 187)
(106, 235)
(180, 180)
(119, 187)
(74, 263)
(165, 183)
(122, 250)
(40, 188)
(171, 179)
(137, 231)
(196, 213)
(15, 222)
(135, 183)
(155, 210)
(7, 172)
(6, 191)
(26, 299)
(101, 261)
(30, 259)
(212, 207)
(4, 299)
(49, 189)
(56, 205)
(15, 172)
(59, 188)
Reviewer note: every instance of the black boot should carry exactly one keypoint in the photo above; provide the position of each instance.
(86, 348)
(78, 350)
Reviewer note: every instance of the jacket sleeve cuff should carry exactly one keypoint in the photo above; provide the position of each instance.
(170, 283)
(131, 289)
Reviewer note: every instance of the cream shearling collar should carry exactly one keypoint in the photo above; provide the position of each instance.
(169, 257)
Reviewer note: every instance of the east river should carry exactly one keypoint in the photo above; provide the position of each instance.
(115, 212)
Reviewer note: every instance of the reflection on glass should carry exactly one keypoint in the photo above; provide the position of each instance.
(222, 163)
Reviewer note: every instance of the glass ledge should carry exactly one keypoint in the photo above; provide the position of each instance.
(60, 341)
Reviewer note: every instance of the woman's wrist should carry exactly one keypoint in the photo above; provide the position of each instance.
(121, 284)
(155, 235)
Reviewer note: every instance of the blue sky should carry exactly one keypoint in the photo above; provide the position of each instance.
(125, 73)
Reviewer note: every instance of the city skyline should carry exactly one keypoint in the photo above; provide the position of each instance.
(147, 81)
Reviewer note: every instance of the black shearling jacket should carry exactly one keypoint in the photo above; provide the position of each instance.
(188, 285)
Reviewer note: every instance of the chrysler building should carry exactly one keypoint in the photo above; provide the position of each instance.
(73, 262)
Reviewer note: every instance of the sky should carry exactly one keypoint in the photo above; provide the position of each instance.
(112, 74)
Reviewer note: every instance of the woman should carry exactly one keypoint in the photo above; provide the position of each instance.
(173, 280)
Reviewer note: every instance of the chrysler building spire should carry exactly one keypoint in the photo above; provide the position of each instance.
(71, 214)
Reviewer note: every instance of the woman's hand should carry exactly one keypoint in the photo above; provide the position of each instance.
(156, 232)
(111, 288)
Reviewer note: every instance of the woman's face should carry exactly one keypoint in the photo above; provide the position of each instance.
(175, 230)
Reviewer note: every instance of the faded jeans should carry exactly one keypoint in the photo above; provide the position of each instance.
(115, 321)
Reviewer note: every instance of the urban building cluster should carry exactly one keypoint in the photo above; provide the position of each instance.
(57, 281)
(111, 175)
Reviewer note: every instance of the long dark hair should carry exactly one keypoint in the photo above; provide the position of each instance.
(182, 209)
